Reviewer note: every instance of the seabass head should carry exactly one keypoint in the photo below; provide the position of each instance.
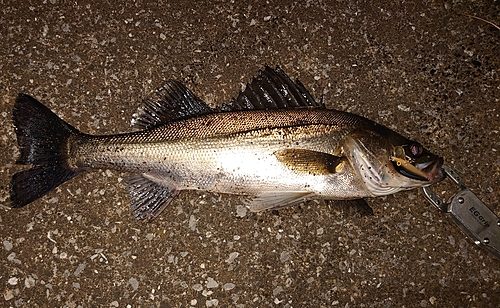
(388, 162)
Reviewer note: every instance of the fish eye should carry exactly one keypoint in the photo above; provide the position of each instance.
(416, 149)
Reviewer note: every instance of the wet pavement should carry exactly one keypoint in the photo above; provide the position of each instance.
(418, 67)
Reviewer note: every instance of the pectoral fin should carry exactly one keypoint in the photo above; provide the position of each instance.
(309, 162)
(148, 198)
(277, 199)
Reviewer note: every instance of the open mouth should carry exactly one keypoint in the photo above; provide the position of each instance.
(433, 171)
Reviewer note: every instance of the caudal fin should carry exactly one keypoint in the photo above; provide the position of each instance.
(43, 142)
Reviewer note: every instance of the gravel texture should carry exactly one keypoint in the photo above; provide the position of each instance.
(418, 67)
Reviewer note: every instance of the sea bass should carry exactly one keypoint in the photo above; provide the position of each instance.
(274, 144)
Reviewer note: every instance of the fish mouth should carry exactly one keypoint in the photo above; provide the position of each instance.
(433, 170)
(430, 171)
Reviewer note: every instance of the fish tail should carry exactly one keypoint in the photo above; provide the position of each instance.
(43, 140)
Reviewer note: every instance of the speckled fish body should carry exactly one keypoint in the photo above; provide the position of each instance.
(234, 152)
(273, 143)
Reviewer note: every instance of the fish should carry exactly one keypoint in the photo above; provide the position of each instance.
(274, 144)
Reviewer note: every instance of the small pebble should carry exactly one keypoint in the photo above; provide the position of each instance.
(79, 269)
(134, 283)
(211, 283)
(197, 287)
(212, 302)
(241, 210)
(13, 281)
(7, 245)
(228, 286)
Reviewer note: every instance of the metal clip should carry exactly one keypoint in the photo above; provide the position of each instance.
(473, 217)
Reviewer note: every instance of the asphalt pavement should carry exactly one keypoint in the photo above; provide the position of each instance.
(426, 69)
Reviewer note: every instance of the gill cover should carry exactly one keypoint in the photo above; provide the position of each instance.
(388, 162)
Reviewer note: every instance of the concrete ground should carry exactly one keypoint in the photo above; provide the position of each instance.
(419, 67)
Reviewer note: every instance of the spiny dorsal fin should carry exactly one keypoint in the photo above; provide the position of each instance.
(309, 162)
(171, 101)
(272, 89)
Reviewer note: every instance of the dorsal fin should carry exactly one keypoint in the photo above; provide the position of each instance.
(272, 89)
(171, 101)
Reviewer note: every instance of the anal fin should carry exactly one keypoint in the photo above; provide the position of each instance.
(276, 200)
(148, 198)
